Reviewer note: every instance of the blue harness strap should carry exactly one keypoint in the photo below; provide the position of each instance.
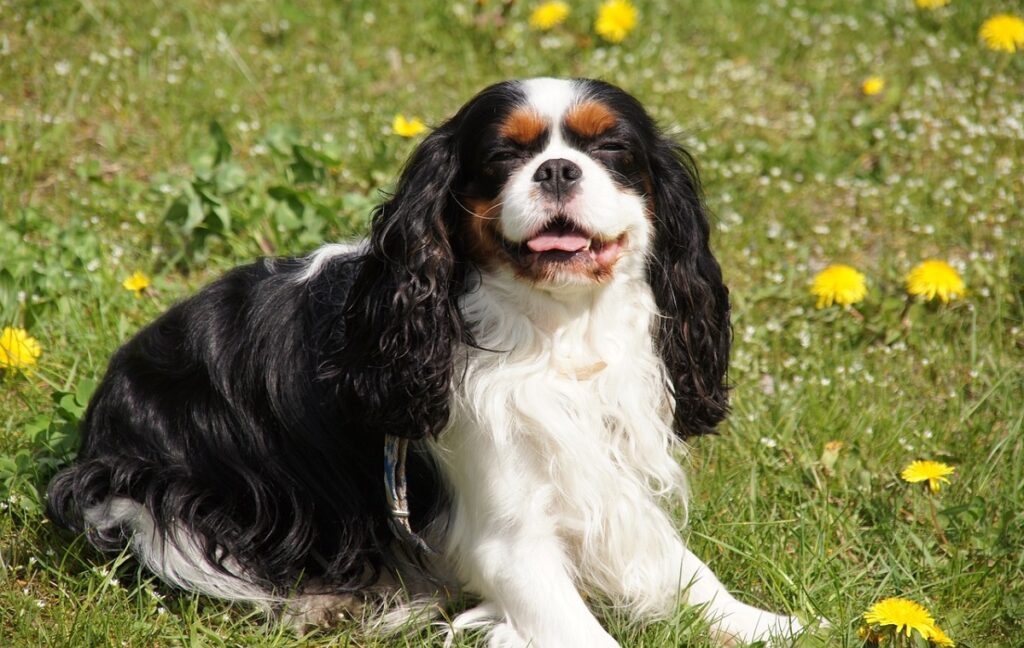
(395, 450)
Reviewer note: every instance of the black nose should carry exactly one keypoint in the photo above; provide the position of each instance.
(557, 176)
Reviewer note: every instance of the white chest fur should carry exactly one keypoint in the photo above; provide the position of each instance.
(560, 427)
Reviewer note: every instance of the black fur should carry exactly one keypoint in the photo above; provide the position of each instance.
(402, 321)
(221, 418)
(694, 333)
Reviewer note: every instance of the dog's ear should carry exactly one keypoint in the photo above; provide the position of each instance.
(402, 320)
(693, 333)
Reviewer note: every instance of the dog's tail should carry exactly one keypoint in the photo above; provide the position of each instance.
(76, 489)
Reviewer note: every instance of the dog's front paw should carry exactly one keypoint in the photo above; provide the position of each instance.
(744, 624)
(503, 635)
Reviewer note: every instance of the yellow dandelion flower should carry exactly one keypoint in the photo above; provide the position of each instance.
(18, 349)
(939, 638)
(407, 127)
(932, 471)
(905, 616)
(932, 279)
(839, 284)
(1003, 33)
(615, 19)
(872, 85)
(930, 4)
(548, 15)
(136, 283)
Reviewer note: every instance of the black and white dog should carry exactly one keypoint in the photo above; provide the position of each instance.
(536, 318)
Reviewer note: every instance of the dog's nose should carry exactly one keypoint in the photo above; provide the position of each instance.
(557, 176)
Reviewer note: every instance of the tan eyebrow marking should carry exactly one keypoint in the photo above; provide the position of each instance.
(590, 119)
(523, 126)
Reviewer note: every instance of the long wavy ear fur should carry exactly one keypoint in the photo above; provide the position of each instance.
(693, 334)
(402, 320)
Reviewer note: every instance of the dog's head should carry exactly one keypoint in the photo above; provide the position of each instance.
(562, 184)
(554, 181)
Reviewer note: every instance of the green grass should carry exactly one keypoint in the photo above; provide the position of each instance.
(109, 163)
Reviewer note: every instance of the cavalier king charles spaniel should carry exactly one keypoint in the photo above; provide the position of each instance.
(486, 397)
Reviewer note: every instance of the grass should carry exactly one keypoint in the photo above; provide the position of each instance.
(184, 138)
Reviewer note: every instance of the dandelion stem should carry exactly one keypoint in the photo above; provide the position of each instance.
(905, 323)
(935, 523)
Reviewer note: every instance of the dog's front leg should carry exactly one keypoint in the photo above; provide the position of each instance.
(504, 542)
(524, 578)
(730, 620)
(654, 570)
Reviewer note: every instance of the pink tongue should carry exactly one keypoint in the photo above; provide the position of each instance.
(563, 242)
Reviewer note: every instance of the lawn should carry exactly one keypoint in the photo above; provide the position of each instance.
(180, 139)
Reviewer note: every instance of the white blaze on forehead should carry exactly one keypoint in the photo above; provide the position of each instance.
(552, 99)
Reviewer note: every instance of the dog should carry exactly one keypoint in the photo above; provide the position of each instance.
(487, 396)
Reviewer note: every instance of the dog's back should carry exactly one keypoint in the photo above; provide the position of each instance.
(216, 444)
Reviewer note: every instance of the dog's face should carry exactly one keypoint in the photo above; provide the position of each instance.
(555, 181)
(564, 185)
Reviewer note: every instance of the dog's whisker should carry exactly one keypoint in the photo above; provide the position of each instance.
(475, 214)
